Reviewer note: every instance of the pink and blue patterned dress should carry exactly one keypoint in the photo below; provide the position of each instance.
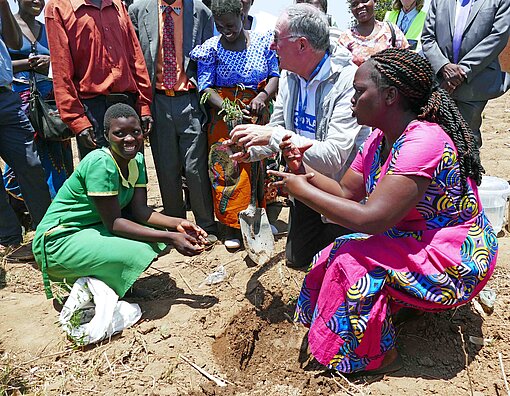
(438, 257)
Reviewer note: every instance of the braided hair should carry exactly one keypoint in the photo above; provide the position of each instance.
(412, 75)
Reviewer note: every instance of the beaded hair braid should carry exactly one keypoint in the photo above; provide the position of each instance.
(412, 75)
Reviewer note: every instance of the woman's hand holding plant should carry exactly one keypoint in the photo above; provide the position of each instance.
(257, 105)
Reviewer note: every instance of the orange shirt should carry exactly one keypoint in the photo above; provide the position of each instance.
(183, 83)
(94, 51)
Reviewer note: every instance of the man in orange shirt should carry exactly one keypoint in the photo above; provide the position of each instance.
(168, 30)
(96, 61)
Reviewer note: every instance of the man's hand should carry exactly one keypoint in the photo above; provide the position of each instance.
(453, 75)
(247, 135)
(293, 155)
(86, 138)
(147, 123)
(40, 63)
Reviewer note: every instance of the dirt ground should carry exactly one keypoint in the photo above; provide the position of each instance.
(241, 329)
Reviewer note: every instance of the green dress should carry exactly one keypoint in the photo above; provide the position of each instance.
(71, 241)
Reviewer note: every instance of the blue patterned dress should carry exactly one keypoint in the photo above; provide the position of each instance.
(219, 67)
(438, 257)
(225, 71)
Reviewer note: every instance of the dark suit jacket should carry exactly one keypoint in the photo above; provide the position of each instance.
(485, 36)
(197, 27)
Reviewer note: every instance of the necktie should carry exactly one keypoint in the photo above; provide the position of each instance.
(460, 24)
(404, 24)
(169, 70)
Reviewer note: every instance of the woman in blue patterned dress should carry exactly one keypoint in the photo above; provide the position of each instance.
(237, 65)
(422, 239)
(34, 57)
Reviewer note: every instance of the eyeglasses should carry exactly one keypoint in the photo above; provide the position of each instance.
(276, 39)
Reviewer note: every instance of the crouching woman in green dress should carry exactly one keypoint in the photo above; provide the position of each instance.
(99, 224)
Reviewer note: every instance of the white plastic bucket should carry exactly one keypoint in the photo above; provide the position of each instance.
(494, 193)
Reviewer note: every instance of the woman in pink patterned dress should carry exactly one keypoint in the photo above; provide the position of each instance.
(421, 240)
(369, 36)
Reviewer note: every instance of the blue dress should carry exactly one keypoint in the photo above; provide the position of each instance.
(219, 67)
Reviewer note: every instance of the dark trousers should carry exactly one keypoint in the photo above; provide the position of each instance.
(178, 144)
(472, 113)
(96, 108)
(308, 234)
(18, 150)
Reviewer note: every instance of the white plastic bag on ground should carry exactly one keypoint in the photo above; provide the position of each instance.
(90, 296)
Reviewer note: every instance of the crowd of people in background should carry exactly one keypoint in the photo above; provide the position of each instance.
(377, 128)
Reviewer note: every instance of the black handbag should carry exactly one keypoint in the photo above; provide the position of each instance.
(44, 115)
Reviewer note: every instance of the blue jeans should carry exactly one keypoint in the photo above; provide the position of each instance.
(17, 149)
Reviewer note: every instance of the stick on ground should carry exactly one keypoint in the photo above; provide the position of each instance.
(186, 282)
(502, 367)
(466, 361)
(216, 380)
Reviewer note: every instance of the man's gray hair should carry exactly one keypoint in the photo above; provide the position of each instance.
(305, 20)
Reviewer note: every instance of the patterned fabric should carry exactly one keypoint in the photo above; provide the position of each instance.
(439, 256)
(219, 67)
(362, 47)
(225, 70)
(231, 180)
(169, 70)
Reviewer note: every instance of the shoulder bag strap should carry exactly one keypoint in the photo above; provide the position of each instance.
(393, 34)
(33, 78)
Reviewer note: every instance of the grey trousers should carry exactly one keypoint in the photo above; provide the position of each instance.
(178, 143)
(472, 113)
(18, 150)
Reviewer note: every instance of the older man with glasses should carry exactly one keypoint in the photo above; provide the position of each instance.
(313, 106)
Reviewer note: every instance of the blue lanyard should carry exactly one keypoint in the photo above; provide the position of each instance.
(302, 104)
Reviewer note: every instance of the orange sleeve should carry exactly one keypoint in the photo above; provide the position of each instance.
(69, 105)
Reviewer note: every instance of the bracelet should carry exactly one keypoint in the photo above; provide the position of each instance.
(264, 91)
